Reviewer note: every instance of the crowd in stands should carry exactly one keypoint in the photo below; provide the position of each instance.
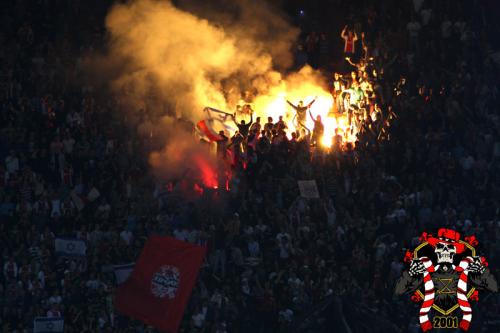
(274, 258)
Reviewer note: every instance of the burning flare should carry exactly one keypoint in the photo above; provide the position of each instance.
(305, 85)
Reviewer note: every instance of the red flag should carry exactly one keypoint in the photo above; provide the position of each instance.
(160, 285)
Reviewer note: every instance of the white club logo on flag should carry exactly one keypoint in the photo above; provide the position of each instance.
(165, 282)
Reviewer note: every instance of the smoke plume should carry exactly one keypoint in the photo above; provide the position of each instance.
(180, 61)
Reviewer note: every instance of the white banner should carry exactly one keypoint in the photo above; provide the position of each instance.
(308, 189)
(79, 203)
(93, 194)
(48, 325)
(70, 247)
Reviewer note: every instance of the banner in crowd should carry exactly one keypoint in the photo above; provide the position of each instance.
(93, 194)
(216, 121)
(48, 325)
(122, 272)
(160, 285)
(78, 201)
(81, 200)
(207, 130)
(308, 189)
(70, 247)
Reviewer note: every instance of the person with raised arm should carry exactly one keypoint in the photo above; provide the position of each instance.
(301, 110)
(350, 37)
(243, 127)
(318, 129)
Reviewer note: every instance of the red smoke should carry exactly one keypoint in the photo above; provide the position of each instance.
(208, 174)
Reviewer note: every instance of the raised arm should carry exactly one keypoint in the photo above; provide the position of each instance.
(234, 118)
(314, 100)
(343, 34)
(355, 36)
(350, 61)
(312, 117)
(290, 103)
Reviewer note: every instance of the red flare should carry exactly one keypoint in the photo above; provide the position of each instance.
(208, 174)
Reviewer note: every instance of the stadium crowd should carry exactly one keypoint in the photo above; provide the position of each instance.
(274, 257)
